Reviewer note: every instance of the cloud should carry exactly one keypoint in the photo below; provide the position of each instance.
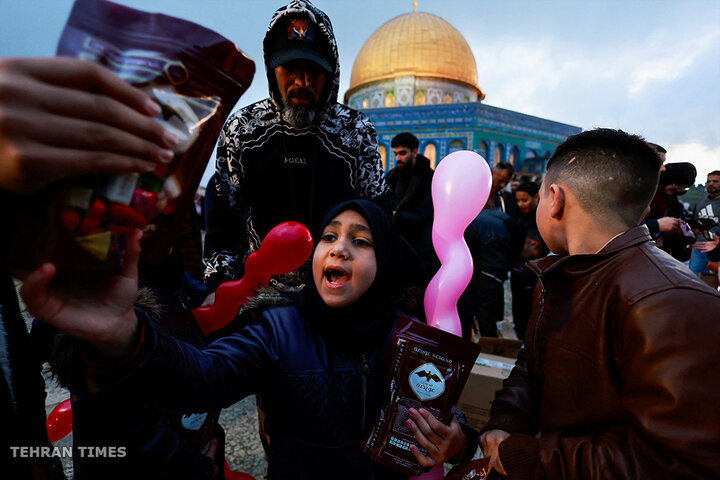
(517, 74)
(522, 73)
(705, 159)
(660, 61)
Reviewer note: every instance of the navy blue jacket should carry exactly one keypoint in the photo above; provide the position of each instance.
(319, 399)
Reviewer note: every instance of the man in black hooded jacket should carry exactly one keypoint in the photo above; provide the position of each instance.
(410, 184)
(293, 155)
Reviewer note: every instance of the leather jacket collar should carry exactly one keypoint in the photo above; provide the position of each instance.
(630, 238)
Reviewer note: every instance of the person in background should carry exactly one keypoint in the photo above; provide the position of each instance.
(522, 278)
(494, 240)
(410, 184)
(526, 197)
(292, 155)
(614, 380)
(708, 209)
(666, 224)
(674, 181)
(499, 199)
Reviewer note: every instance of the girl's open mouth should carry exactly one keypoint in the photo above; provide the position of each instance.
(336, 276)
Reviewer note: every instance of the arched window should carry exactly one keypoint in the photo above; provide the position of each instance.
(366, 103)
(514, 155)
(389, 99)
(483, 150)
(498, 155)
(447, 98)
(455, 146)
(529, 153)
(383, 156)
(419, 97)
(431, 153)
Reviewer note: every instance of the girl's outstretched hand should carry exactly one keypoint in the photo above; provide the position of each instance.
(106, 319)
(441, 441)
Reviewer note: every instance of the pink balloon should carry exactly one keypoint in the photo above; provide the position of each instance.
(59, 422)
(460, 188)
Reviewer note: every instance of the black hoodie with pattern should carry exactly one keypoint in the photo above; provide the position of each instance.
(269, 172)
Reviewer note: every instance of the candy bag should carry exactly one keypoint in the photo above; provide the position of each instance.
(196, 76)
(427, 368)
(474, 470)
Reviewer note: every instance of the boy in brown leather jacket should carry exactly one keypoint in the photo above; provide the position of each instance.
(617, 379)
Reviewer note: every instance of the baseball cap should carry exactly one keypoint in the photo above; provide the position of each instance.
(299, 39)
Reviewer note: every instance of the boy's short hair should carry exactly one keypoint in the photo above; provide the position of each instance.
(657, 147)
(613, 174)
(405, 139)
(714, 173)
(531, 188)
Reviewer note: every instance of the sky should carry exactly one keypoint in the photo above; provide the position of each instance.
(649, 67)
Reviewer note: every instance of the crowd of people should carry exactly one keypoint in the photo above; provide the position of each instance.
(614, 379)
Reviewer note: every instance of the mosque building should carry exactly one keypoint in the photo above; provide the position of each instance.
(416, 73)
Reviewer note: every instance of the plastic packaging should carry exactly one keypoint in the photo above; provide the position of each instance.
(474, 470)
(427, 368)
(196, 76)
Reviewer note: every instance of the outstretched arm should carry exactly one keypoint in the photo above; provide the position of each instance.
(62, 117)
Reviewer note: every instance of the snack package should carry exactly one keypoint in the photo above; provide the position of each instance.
(196, 76)
(427, 368)
(474, 470)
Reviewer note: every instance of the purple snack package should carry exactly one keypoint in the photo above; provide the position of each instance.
(427, 368)
(196, 76)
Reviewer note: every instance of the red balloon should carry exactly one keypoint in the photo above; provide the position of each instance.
(231, 475)
(59, 422)
(284, 248)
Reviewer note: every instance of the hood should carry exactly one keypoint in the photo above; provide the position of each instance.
(324, 27)
(680, 173)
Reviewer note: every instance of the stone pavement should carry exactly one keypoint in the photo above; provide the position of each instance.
(243, 449)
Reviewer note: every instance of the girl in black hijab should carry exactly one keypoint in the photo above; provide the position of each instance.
(369, 318)
(318, 364)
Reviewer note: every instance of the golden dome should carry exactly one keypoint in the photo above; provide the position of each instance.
(415, 44)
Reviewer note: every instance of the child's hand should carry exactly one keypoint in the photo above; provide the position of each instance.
(489, 442)
(106, 319)
(441, 441)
